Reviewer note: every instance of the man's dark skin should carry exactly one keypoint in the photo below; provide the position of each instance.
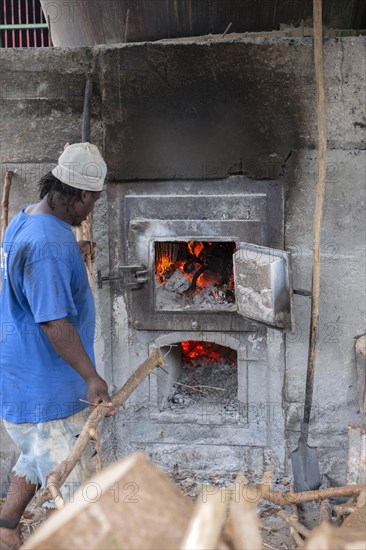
(67, 343)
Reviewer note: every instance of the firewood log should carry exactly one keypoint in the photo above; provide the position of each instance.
(326, 537)
(131, 504)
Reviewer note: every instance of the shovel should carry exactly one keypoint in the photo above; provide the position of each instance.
(304, 459)
(305, 466)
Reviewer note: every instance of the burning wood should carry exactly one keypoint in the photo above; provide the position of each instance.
(199, 272)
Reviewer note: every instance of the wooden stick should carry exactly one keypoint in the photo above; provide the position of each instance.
(85, 136)
(318, 209)
(5, 202)
(294, 523)
(295, 514)
(86, 236)
(344, 509)
(285, 499)
(325, 512)
(95, 434)
(297, 538)
(60, 473)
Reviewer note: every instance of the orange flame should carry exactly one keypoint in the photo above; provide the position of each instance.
(164, 265)
(195, 248)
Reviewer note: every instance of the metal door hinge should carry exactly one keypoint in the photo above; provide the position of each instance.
(132, 276)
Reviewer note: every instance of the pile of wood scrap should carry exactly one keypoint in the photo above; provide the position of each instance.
(132, 504)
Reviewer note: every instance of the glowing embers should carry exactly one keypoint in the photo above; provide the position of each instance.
(206, 385)
(194, 274)
(196, 354)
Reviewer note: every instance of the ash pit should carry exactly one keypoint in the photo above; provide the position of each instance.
(194, 275)
(206, 382)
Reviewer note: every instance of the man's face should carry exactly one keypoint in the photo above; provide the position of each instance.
(83, 206)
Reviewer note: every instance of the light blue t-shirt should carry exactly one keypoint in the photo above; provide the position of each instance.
(43, 279)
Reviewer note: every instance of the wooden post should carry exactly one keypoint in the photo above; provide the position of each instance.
(319, 200)
(5, 202)
(86, 236)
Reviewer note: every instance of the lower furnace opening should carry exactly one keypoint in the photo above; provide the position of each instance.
(194, 274)
(202, 380)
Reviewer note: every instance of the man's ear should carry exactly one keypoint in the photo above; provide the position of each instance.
(84, 195)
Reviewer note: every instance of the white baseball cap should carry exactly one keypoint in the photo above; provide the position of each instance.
(81, 166)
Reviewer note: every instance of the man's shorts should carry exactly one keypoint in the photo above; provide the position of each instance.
(44, 445)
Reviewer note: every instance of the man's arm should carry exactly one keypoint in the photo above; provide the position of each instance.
(67, 343)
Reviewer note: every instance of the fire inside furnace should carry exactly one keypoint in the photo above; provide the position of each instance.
(196, 354)
(195, 273)
(208, 381)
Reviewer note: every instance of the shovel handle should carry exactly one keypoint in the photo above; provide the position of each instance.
(304, 432)
(318, 212)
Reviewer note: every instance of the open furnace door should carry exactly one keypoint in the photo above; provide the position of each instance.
(263, 284)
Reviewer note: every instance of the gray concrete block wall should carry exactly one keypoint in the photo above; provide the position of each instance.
(187, 110)
(342, 306)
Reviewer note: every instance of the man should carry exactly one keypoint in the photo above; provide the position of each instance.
(47, 318)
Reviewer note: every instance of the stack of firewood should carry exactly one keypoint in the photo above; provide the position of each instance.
(132, 504)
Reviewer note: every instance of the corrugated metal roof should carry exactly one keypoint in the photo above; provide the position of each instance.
(90, 22)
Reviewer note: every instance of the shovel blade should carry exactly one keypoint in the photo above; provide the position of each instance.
(305, 468)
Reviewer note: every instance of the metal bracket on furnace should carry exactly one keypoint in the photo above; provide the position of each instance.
(302, 292)
(132, 276)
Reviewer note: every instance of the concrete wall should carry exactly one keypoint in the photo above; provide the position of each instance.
(168, 111)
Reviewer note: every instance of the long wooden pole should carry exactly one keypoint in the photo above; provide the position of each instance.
(86, 233)
(318, 211)
(5, 202)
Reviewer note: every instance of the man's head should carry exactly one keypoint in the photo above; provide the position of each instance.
(81, 166)
(76, 181)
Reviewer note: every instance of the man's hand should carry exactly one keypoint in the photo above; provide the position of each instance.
(98, 391)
